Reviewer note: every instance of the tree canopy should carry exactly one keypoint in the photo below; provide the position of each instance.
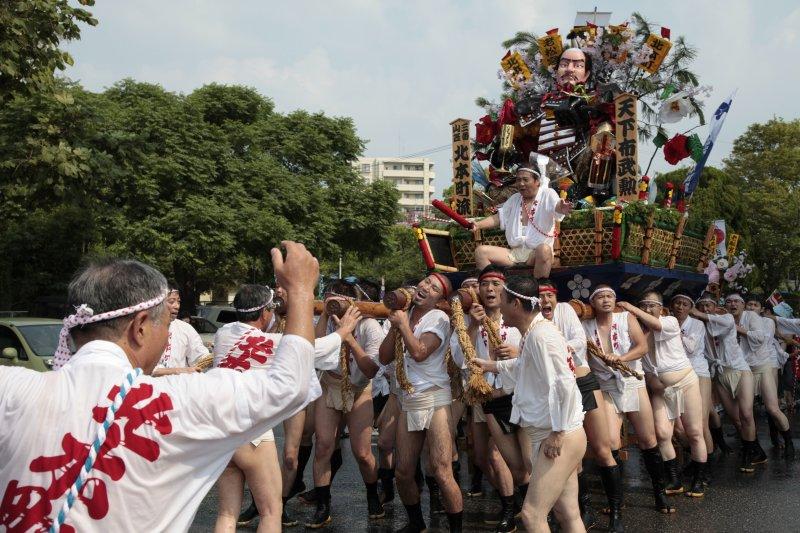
(201, 186)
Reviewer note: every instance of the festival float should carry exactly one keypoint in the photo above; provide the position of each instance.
(591, 141)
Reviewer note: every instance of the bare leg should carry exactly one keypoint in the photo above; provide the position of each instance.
(549, 484)
(769, 395)
(262, 471)
(596, 427)
(731, 406)
(495, 255)
(230, 489)
(359, 424)
(542, 261)
(407, 451)
(614, 421)
(643, 422)
(387, 429)
(509, 449)
(326, 427)
(439, 459)
(692, 420)
(705, 394)
(293, 433)
(663, 426)
(744, 399)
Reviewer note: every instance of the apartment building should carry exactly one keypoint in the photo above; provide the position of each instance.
(412, 177)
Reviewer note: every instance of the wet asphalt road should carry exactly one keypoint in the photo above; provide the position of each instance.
(766, 501)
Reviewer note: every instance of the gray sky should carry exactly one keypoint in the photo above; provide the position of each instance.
(404, 69)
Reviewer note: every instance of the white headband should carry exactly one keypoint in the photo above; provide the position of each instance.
(529, 169)
(681, 296)
(85, 315)
(705, 298)
(650, 301)
(734, 296)
(260, 307)
(602, 289)
(534, 300)
(469, 280)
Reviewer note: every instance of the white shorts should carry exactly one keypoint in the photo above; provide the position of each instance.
(520, 254)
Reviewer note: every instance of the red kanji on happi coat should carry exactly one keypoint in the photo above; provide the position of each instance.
(27, 508)
(252, 349)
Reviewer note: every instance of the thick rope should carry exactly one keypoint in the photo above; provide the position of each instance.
(400, 351)
(94, 449)
(281, 327)
(477, 390)
(456, 385)
(344, 364)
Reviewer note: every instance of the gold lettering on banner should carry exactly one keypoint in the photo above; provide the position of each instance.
(660, 47)
(515, 69)
(627, 132)
(550, 46)
(461, 200)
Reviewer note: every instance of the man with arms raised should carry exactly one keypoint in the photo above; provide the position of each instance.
(425, 398)
(620, 338)
(489, 459)
(155, 450)
(529, 219)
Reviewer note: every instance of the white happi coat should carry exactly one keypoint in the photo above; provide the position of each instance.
(546, 395)
(508, 335)
(568, 323)
(239, 346)
(171, 438)
(755, 345)
(432, 372)
(369, 335)
(693, 336)
(541, 231)
(184, 346)
(620, 345)
(722, 347)
(667, 353)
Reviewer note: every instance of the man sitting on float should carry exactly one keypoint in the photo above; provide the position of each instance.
(529, 219)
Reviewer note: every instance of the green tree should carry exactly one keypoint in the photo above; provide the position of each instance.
(31, 32)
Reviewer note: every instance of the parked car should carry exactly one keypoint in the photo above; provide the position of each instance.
(205, 328)
(29, 342)
(217, 314)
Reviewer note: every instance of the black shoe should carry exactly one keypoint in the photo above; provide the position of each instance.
(435, 496)
(788, 450)
(374, 507)
(759, 456)
(698, 488)
(297, 488)
(475, 489)
(387, 484)
(719, 440)
(408, 528)
(457, 471)
(674, 485)
(248, 515)
(746, 463)
(322, 516)
(507, 522)
(287, 520)
(308, 497)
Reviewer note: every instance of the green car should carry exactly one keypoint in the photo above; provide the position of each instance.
(29, 342)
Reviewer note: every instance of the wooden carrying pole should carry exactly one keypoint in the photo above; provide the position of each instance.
(676, 242)
(708, 244)
(598, 237)
(648, 239)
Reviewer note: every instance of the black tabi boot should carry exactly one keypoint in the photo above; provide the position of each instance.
(719, 440)
(674, 485)
(435, 496)
(611, 477)
(698, 488)
(454, 520)
(519, 498)
(416, 524)
(286, 519)
(773, 433)
(418, 477)
(584, 503)
(476, 484)
(322, 516)
(457, 471)
(759, 455)
(386, 475)
(248, 515)
(374, 505)
(655, 468)
(746, 463)
(507, 522)
(788, 450)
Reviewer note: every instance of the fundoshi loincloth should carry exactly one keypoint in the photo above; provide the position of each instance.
(420, 406)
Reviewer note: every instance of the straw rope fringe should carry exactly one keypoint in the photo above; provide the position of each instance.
(94, 449)
(477, 390)
(344, 364)
(595, 351)
(400, 351)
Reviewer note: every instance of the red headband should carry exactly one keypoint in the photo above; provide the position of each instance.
(498, 275)
(548, 288)
(442, 281)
